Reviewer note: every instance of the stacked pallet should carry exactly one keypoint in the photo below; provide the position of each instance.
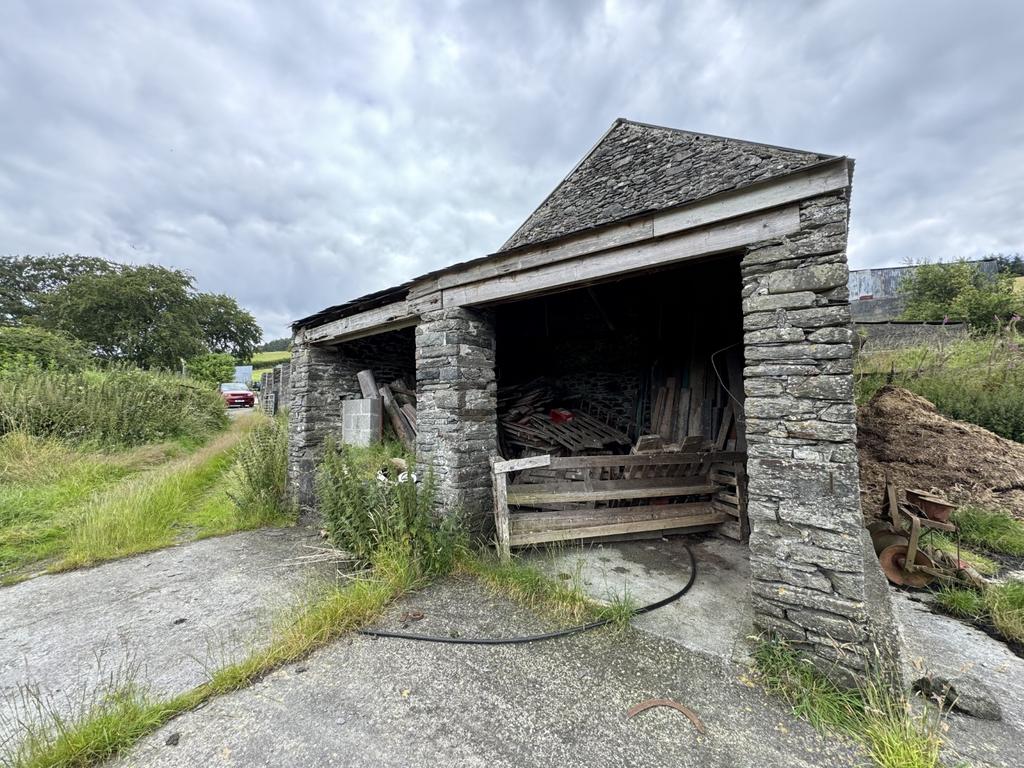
(532, 421)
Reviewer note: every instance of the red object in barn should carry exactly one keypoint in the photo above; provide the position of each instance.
(559, 415)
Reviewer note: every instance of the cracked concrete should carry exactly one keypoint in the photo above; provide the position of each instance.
(166, 617)
(379, 702)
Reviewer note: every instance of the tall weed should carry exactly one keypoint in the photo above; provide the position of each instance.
(113, 408)
(260, 475)
(367, 509)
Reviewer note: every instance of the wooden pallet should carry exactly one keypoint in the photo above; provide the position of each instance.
(610, 495)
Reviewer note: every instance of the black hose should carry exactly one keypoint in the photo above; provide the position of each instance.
(547, 635)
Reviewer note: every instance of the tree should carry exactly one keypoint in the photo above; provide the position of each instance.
(226, 326)
(37, 346)
(140, 315)
(276, 345)
(959, 291)
(1012, 263)
(214, 368)
(25, 281)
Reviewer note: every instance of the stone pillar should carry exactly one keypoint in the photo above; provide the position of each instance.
(319, 379)
(806, 542)
(456, 409)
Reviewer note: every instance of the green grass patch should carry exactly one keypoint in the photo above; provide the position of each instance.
(962, 602)
(264, 362)
(891, 735)
(992, 530)
(63, 508)
(986, 566)
(1000, 605)
(562, 600)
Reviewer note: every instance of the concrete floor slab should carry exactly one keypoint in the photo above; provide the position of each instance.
(382, 702)
(714, 618)
(174, 614)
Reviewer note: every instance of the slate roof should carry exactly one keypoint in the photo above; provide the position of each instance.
(638, 168)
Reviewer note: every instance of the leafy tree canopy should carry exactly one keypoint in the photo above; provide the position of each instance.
(276, 345)
(227, 328)
(25, 280)
(214, 368)
(148, 315)
(960, 291)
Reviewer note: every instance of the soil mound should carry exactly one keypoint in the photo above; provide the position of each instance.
(924, 449)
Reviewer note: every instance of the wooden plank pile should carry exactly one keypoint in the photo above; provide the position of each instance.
(530, 422)
(399, 404)
(706, 407)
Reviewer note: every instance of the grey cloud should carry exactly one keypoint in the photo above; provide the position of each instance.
(298, 154)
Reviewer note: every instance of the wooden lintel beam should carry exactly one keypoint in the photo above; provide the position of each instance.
(705, 241)
(772, 193)
(390, 317)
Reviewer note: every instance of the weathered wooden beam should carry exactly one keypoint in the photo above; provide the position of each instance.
(402, 429)
(501, 516)
(542, 493)
(643, 460)
(614, 529)
(772, 193)
(368, 384)
(515, 465)
(390, 317)
(561, 275)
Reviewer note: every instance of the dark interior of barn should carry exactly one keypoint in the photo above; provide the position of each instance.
(633, 388)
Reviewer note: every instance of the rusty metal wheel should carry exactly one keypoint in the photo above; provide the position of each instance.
(894, 559)
(883, 538)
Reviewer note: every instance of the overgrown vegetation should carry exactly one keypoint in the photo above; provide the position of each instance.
(37, 347)
(369, 500)
(975, 380)
(999, 605)
(63, 508)
(874, 716)
(114, 408)
(260, 489)
(214, 368)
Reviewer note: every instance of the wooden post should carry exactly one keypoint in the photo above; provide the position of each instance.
(368, 384)
(501, 522)
(404, 432)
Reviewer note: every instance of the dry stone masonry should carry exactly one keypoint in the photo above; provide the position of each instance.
(807, 553)
(456, 408)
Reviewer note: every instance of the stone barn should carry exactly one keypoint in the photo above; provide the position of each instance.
(664, 345)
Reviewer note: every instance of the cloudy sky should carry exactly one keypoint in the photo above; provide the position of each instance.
(299, 153)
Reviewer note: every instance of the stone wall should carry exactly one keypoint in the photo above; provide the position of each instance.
(874, 336)
(320, 379)
(456, 418)
(807, 558)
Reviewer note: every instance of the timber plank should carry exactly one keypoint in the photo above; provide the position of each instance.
(608, 490)
(661, 524)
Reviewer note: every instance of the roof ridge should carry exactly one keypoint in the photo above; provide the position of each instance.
(671, 129)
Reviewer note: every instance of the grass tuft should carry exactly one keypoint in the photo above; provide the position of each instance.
(872, 715)
(1001, 605)
(961, 601)
(989, 529)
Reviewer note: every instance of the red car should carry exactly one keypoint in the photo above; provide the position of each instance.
(237, 394)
